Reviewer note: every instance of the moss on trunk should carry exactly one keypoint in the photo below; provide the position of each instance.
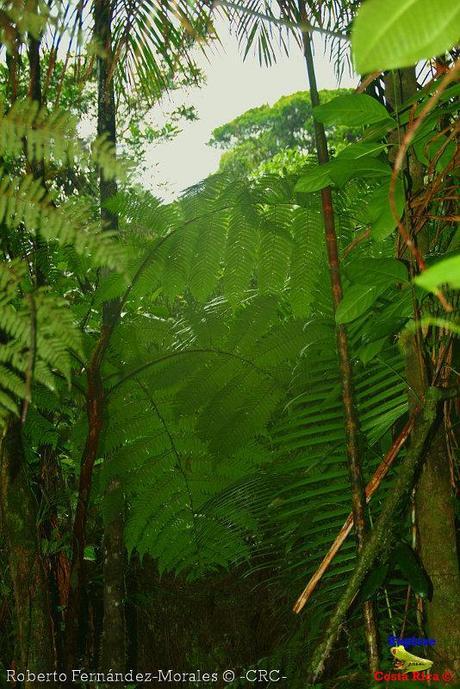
(438, 550)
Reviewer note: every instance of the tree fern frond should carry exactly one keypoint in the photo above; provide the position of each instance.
(307, 259)
(23, 200)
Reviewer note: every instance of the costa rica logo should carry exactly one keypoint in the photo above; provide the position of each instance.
(407, 662)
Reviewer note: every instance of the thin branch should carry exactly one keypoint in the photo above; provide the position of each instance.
(365, 234)
(399, 160)
(367, 81)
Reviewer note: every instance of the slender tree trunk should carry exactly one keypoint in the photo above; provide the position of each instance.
(435, 517)
(113, 543)
(51, 486)
(19, 520)
(114, 632)
(95, 397)
(144, 593)
(35, 94)
(37, 167)
(351, 420)
(114, 625)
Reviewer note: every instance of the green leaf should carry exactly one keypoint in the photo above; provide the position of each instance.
(357, 299)
(314, 179)
(388, 34)
(445, 272)
(438, 147)
(379, 211)
(371, 349)
(412, 570)
(377, 271)
(352, 110)
(90, 553)
(342, 171)
(274, 258)
(361, 150)
(373, 581)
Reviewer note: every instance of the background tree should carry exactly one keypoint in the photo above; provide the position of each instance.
(277, 137)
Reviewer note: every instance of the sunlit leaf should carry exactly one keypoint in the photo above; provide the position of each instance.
(388, 34)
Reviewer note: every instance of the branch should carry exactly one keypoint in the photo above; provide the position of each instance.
(371, 487)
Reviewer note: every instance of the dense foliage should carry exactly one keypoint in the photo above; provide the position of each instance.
(196, 397)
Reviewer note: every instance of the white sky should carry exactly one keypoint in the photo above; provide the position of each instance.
(232, 87)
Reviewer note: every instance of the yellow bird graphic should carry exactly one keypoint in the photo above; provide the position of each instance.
(407, 662)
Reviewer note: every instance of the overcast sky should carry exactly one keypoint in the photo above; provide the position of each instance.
(232, 87)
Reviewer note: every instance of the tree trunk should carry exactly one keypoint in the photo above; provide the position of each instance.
(90, 453)
(37, 167)
(351, 420)
(438, 550)
(106, 126)
(19, 519)
(114, 626)
(144, 593)
(435, 518)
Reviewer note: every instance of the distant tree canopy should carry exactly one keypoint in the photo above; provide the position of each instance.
(276, 137)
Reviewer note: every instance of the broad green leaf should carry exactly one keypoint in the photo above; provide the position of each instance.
(377, 271)
(388, 34)
(412, 570)
(361, 150)
(352, 110)
(314, 179)
(371, 349)
(342, 171)
(390, 320)
(357, 299)
(445, 272)
(379, 211)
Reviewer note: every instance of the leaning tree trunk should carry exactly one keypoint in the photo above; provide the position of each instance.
(351, 420)
(434, 503)
(35, 646)
(384, 532)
